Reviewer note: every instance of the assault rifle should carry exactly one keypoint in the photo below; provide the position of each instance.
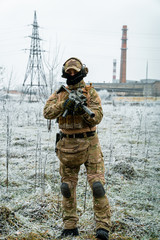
(79, 99)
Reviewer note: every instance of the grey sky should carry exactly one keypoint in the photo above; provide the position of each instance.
(87, 29)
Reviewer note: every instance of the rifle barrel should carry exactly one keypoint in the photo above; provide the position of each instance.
(87, 110)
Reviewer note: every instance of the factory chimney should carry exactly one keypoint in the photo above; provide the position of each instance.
(114, 71)
(123, 55)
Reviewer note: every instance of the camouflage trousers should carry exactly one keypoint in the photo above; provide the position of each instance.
(73, 153)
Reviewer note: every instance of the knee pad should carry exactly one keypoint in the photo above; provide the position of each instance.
(65, 190)
(98, 190)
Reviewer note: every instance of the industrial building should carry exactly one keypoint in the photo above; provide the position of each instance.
(133, 88)
(122, 87)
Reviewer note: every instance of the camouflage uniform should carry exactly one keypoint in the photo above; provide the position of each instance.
(73, 152)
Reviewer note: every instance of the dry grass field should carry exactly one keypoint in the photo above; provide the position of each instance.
(30, 198)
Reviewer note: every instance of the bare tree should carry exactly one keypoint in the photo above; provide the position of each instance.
(52, 64)
(9, 83)
(2, 70)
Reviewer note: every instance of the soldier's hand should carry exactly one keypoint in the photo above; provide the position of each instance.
(69, 105)
(78, 109)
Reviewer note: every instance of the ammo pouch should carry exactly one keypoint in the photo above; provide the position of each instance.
(72, 122)
(72, 152)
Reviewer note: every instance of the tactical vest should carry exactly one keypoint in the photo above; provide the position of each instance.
(73, 121)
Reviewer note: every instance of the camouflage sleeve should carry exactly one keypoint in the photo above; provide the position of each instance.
(53, 107)
(94, 104)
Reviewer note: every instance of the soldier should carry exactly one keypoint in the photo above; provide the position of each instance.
(79, 144)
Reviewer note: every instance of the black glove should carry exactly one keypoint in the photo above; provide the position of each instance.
(78, 109)
(69, 105)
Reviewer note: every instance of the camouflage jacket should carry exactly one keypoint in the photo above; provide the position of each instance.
(75, 123)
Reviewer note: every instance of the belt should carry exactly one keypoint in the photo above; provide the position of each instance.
(78, 135)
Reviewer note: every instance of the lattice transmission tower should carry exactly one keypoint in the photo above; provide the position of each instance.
(35, 84)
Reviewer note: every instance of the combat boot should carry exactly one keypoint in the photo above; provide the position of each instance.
(102, 233)
(69, 232)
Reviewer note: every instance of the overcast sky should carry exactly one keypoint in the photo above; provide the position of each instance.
(88, 29)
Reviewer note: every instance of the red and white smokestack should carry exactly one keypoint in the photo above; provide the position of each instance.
(114, 70)
(123, 55)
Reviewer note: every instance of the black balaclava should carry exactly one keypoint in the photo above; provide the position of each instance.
(72, 80)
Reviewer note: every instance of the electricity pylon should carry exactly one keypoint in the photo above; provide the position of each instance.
(35, 84)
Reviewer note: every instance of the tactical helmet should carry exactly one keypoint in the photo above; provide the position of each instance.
(76, 64)
(72, 63)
